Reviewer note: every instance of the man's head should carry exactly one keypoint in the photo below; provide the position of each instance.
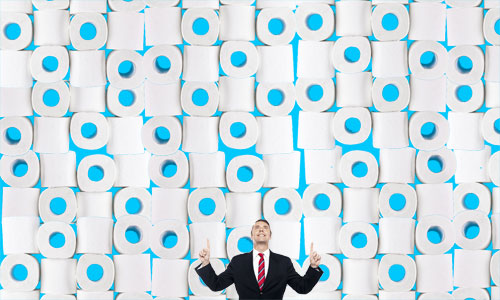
(261, 231)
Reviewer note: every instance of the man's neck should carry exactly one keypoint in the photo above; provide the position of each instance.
(261, 247)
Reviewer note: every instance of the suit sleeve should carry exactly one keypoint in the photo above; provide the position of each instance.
(213, 281)
(305, 284)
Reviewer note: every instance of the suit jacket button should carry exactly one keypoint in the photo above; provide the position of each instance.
(261, 293)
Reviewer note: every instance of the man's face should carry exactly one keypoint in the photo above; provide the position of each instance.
(261, 232)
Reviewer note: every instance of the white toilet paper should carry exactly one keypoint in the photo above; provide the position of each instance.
(152, 69)
(340, 60)
(108, 272)
(162, 99)
(494, 267)
(490, 134)
(51, 135)
(200, 134)
(492, 170)
(403, 26)
(433, 141)
(126, 30)
(390, 189)
(169, 204)
(132, 273)
(132, 170)
(65, 193)
(158, 16)
(118, 109)
(187, 99)
(121, 5)
(435, 273)
(42, 73)
(169, 278)
(134, 296)
(302, 88)
(17, 202)
(99, 140)
(25, 35)
(157, 164)
(435, 199)
(9, 163)
(107, 166)
(163, 229)
(44, 5)
(304, 11)
(347, 163)
(195, 284)
(389, 59)
(428, 21)
(215, 232)
(315, 130)
(353, 18)
(19, 234)
(58, 110)
(470, 268)
(464, 26)
(194, 212)
(334, 267)
(465, 131)
(132, 79)
(58, 169)
(436, 295)
(286, 90)
(248, 139)
(276, 64)
(456, 73)
(436, 68)
(490, 18)
(314, 60)
(282, 170)
(248, 68)
(360, 277)
(58, 276)
(234, 237)
(18, 147)
(286, 238)
(15, 71)
(201, 63)
(463, 221)
(153, 143)
(439, 224)
(397, 165)
(24, 6)
(346, 235)
(10, 283)
(122, 197)
(472, 166)
(236, 94)
(21, 106)
(286, 16)
(322, 165)
(207, 170)
(474, 293)
(86, 295)
(360, 205)
(88, 69)
(78, 6)
(125, 135)
(47, 230)
(257, 168)
(101, 28)
(344, 135)
(390, 129)
(293, 199)
(188, 19)
(324, 233)
(242, 209)
(94, 204)
(402, 100)
(311, 194)
(396, 235)
(139, 224)
(95, 235)
(444, 157)
(51, 27)
(409, 278)
(237, 22)
(354, 89)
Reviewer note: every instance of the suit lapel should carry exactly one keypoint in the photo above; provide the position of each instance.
(270, 270)
(249, 265)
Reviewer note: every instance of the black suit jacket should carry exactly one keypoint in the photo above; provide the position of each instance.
(240, 272)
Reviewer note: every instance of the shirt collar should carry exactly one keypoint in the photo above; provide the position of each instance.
(255, 253)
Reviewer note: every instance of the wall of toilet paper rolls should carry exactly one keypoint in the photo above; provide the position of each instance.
(133, 131)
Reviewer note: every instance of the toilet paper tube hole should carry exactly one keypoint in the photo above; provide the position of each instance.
(12, 135)
(435, 164)
(428, 59)
(352, 125)
(19, 168)
(162, 135)
(19, 272)
(359, 169)
(58, 206)
(275, 97)
(95, 272)
(57, 240)
(238, 129)
(282, 206)
(464, 64)
(88, 31)
(12, 31)
(315, 92)
(169, 239)
(352, 54)
(322, 201)
(162, 64)
(96, 173)
(497, 27)
(326, 273)
(397, 201)
(390, 93)
(88, 130)
(133, 206)
(397, 272)
(201, 26)
(359, 240)
(169, 168)
(471, 201)
(50, 63)
(200, 97)
(245, 244)
(428, 130)
(207, 206)
(390, 22)
(238, 59)
(51, 98)
(435, 235)
(496, 125)
(276, 26)
(471, 230)
(126, 69)
(463, 93)
(245, 174)
(314, 22)
(126, 97)
(133, 234)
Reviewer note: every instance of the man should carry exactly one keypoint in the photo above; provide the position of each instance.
(260, 274)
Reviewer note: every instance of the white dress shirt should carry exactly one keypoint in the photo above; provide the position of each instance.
(256, 259)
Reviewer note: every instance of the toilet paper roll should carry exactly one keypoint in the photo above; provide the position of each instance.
(360, 277)
(157, 163)
(490, 18)
(244, 232)
(85, 6)
(481, 191)
(137, 223)
(396, 235)
(470, 293)
(495, 268)
(52, 27)
(423, 89)
(435, 273)
(19, 234)
(495, 207)
(302, 87)
(255, 164)
(20, 202)
(322, 165)
(10, 283)
(101, 29)
(162, 16)
(286, 238)
(132, 273)
(354, 89)
(390, 189)
(124, 195)
(207, 170)
(195, 284)
(360, 297)
(108, 272)
(130, 39)
(353, 18)
(187, 101)
(26, 31)
(390, 129)
(397, 165)
(24, 6)
(159, 75)
(410, 274)
(65, 193)
(248, 68)
(399, 103)
(22, 104)
(158, 146)
(99, 140)
(51, 135)
(25, 128)
(490, 134)
(58, 110)
(340, 60)
(444, 156)
(437, 295)
(86, 295)
(94, 204)
(237, 22)
(236, 94)
(471, 268)
(400, 12)
(47, 230)
(107, 166)
(165, 228)
(43, 74)
(323, 232)
(314, 59)
(347, 162)
(156, 104)
(431, 142)
(276, 64)
(88, 70)
(8, 163)
(215, 232)
(315, 131)
(334, 267)
(124, 5)
(169, 204)
(345, 136)
(174, 272)
(302, 14)
(464, 26)
(473, 104)
(463, 220)
(492, 168)
(287, 90)
(282, 170)
(242, 209)
(197, 196)
(286, 16)
(294, 201)
(134, 296)
(459, 76)
(95, 235)
(346, 235)
(45, 5)
(129, 80)
(360, 205)
(200, 134)
(435, 223)
(435, 199)
(201, 63)
(118, 109)
(58, 169)
(188, 19)
(390, 59)
(251, 132)
(313, 191)
(433, 70)
(15, 71)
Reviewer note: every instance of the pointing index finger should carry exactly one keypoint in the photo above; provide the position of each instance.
(312, 248)
(208, 244)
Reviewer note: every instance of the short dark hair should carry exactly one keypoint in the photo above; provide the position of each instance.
(262, 220)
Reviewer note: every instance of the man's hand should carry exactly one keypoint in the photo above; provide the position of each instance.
(205, 255)
(314, 258)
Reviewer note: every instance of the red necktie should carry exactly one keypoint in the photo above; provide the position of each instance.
(261, 276)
